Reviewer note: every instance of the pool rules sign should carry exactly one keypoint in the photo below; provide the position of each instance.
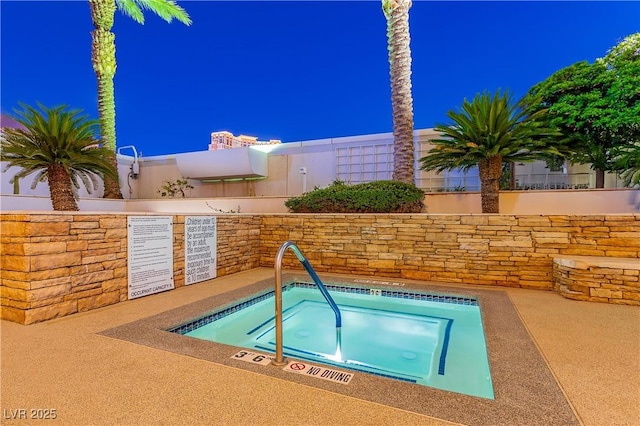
(200, 243)
(150, 255)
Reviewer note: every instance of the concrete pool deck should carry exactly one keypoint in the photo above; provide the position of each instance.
(88, 378)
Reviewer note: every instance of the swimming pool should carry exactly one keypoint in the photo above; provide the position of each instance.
(424, 338)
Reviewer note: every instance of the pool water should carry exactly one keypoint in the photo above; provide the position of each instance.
(426, 339)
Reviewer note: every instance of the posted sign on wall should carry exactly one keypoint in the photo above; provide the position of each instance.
(150, 265)
(200, 244)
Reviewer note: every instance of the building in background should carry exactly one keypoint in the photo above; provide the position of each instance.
(226, 140)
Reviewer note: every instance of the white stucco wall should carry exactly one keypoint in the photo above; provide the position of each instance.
(349, 158)
(592, 201)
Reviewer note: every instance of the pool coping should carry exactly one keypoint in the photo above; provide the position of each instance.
(525, 390)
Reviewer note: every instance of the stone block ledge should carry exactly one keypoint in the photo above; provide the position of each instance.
(585, 262)
(598, 278)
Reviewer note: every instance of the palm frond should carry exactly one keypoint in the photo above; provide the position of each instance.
(41, 176)
(131, 9)
(627, 163)
(168, 10)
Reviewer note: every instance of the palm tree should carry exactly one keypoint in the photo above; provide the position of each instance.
(103, 58)
(488, 131)
(627, 163)
(397, 14)
(59, 145)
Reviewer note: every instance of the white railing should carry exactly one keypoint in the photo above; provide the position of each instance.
(531, 181)
(448, 183)
(555, 181)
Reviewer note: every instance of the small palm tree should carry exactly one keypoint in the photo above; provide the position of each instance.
(59, 145)
(396, 13)
(488, 131)
(627, 163)
(103, 58)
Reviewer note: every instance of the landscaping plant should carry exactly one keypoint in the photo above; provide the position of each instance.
(103, 58)
(396, 13)
(383, 196)
(596, 105)
(59, 146)
(174, 189)
(488, 131)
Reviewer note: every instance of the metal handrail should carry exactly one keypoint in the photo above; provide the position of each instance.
(279, 359)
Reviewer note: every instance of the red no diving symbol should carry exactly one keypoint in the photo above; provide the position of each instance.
(297, 366)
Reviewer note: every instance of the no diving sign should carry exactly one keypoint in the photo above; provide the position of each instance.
(319, 372)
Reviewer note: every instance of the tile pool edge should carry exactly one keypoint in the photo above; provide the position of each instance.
(525, 390)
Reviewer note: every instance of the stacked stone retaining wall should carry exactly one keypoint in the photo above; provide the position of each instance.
(59, 264)
(503, 250)
(56, 264)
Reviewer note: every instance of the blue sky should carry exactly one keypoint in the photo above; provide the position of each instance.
(292, 70)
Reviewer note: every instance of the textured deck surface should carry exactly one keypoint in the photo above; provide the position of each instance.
(553, 360)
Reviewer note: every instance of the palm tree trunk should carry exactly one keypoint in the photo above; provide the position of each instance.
(60, 188)
(106, 108)
(112, 188)
(490, 170)
(103, 58)
(397, 15)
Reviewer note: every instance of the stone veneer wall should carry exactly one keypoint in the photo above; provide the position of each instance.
(503, 250)
(58, 264)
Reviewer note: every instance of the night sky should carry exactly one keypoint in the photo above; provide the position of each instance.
(291, 70)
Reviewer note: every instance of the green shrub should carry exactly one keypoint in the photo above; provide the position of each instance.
(384, 196)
